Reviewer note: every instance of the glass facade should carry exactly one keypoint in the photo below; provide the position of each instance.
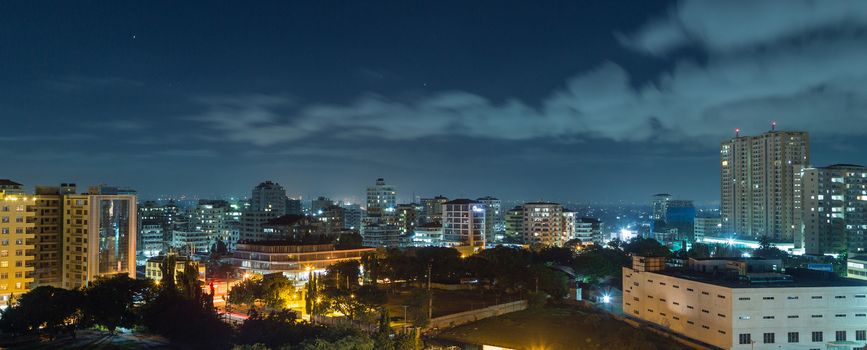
(114, 236)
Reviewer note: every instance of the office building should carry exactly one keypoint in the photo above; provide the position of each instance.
(190, 241)
(428, 235)
(464, 225)
(707, 226)
(16, 236)
(515, 224)
(352, 216)
(294, 207)
(381, 236)
(211, 217)
(588, 230)
(407, 217)
(433, 208)
(758, 184)
(153, 269)
(381, 198)
(99, 235)
(151, 241)
(680, 214)
(834, 209)
(660, 201)
(494, 216)
(269, 196)
(544, 224)
(48, 234)
(746, 304)
(295, 261)
(320, 204)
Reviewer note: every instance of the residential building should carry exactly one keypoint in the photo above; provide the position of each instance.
(16, 240)
(758, 184)
(191, 241)
(290, 228)
(294, 207)
(151, 241)
(331, 221)
(48, 234)
(588, 230)
(544, 224)
(834, 209)
(352, 216)
(211, 217)
(295, 261)
(747, 304)
(464, 225)
(407, 217)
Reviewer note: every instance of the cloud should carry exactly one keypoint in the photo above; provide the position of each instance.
(76, 83)
(720, 26)
(813, 83)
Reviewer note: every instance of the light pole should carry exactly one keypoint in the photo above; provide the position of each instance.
(429, 295)
(404, 318)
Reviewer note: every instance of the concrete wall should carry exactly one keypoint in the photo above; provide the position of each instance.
(460, 318)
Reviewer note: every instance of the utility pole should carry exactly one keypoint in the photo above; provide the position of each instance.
(429, 295)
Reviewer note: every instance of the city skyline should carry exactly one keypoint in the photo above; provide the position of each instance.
(563, 102)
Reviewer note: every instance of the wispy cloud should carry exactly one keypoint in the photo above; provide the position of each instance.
(764, 63)
(75, 83)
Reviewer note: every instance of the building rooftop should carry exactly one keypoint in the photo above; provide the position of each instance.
(793, 278)
(462, 201)
(288, 219)
(9, 183)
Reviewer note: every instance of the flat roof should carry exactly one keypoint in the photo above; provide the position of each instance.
(800, 278)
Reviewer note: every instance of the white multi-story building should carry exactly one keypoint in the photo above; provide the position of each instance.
(464, 225)
(856, 267)
(427, 235)
(588, 230)
(493, 216)
(707, 227)
(747, 305)
(381, 198)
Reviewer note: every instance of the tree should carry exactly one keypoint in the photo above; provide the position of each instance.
(554, 283)
(353, 342)
(555, 255)
(768, 250)
(47, 309)
(598, 262)
(646, 247)
(350, 240)
(113, 302)
(344, 274)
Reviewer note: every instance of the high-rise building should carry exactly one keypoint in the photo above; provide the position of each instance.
(543, 224)
(48, 233)
(464, 225)
(166, 215)
(659, 203)
(381, 198)
(407, 217)
(269, 196)
(352, 216)
(16, 236)
(293, 206)
(211, 217)
(493, 216)
(99, 235)
(332, 220)
(515, 224)
(588, 230)
(433, 209)
(706, 226)
(758, 184)
(834, 209)
(680, 214)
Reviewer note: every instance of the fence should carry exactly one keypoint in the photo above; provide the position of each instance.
(460, 318)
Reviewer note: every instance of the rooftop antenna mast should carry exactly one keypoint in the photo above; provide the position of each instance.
(773, 125)
(737, 132)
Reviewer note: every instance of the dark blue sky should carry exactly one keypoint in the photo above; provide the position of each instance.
(559, 100)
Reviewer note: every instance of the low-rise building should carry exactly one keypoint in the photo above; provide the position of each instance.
(295, 261)
(428, 235)
(856, 267)
(154, 272)
(748, 304)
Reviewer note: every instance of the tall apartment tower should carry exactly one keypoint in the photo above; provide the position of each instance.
(494, 219)
(16, 235)
(759, 185)
(99, 235)
(835, 209)
(269, 196)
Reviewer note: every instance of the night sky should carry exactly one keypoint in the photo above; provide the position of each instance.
(557, 100)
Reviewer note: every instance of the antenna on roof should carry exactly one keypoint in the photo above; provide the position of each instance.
(773, 125)
(737, 132)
